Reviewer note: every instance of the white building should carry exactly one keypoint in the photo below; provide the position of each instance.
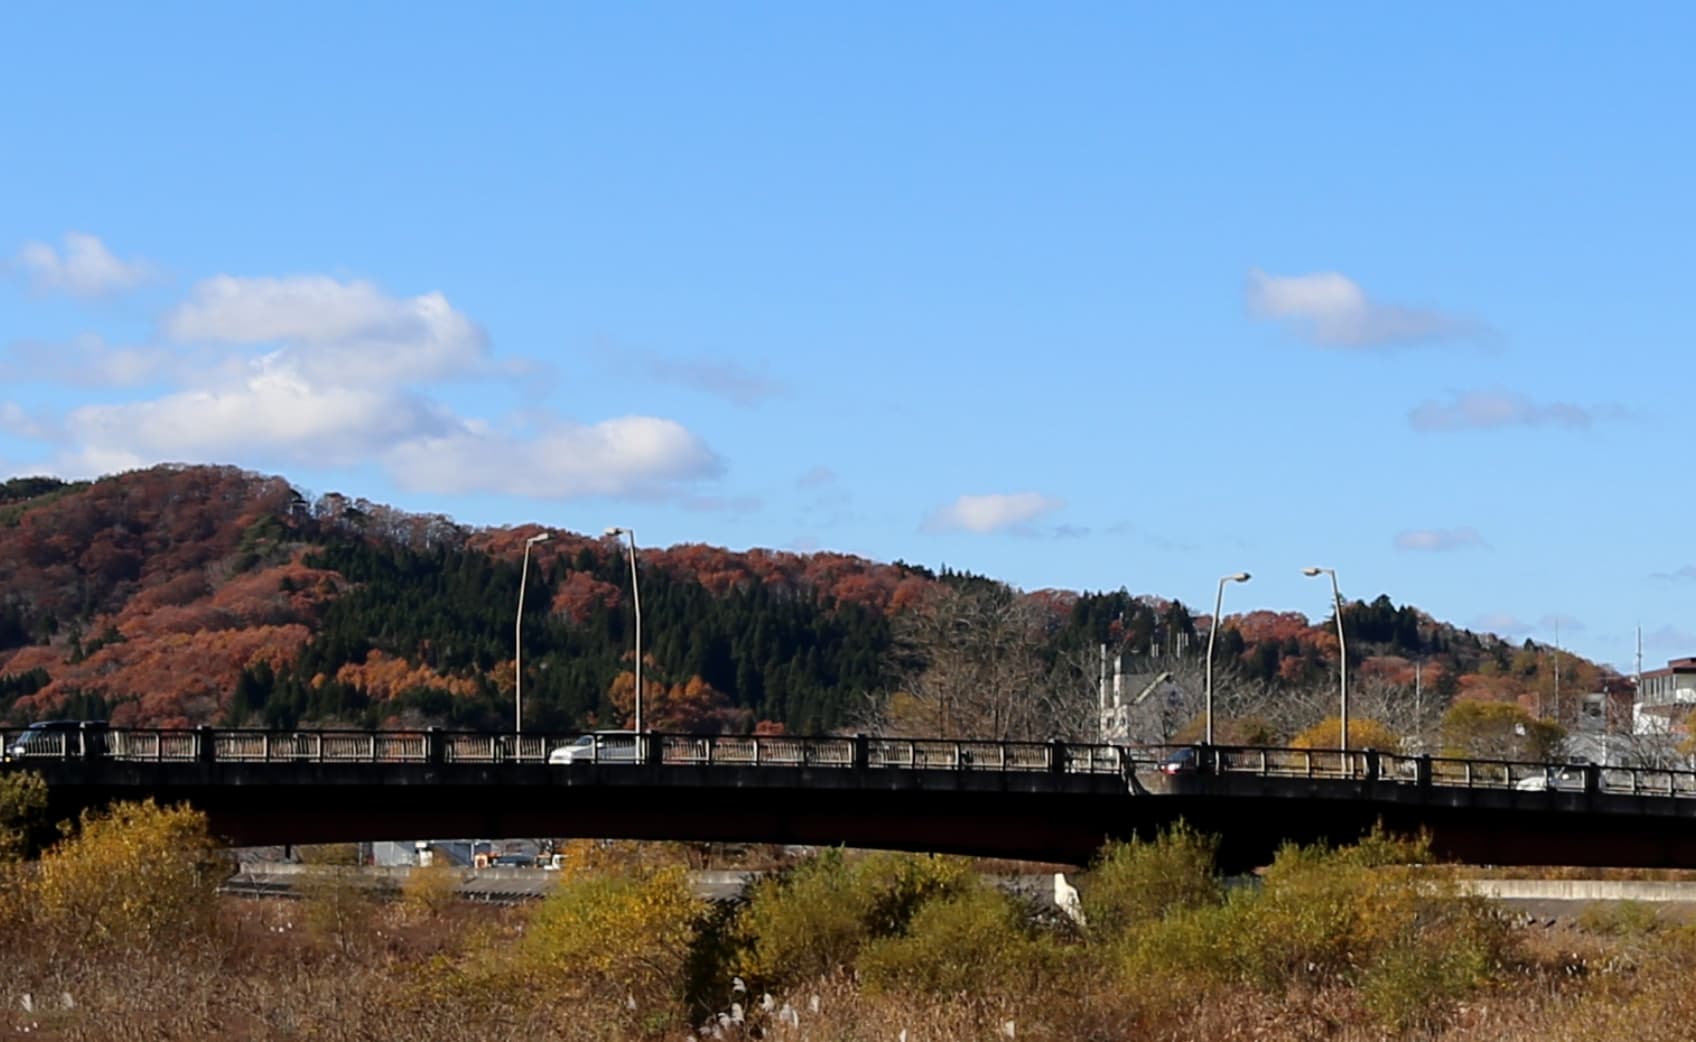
(1664, 697)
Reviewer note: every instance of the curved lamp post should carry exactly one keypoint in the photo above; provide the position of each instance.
(518, 638)
(1342, 653)
(636, 603)
(1213, 631)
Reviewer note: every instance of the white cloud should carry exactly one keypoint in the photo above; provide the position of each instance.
(635, 456)
(1685, 574)
(88, 360)
(1487, 410)
(1331, 310)
(992, 513)
(321, 372)
(274, 409)
(16, 421)
(1504, 624)
(1438, 539)
(345, 331)
(84, 268)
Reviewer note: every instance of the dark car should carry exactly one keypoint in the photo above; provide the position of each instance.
(59, 738)
(1187, 760)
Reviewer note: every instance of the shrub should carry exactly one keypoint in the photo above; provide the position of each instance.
(973, 943)
(1415, 982)
(800, 923)
(343, 854)
(339, 907)
(23, 805)
(137, 877)
(891, 888)
(1136, 883)
(608, 939)
(1346, 918)
(817, 916)
(429, 891)
(1619, 918)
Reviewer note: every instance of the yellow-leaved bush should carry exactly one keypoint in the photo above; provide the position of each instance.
(1138, 882)
(816, 917)
(616, 938)
(23, 801)
(977, 942)
(1365, 917)
(137, 877)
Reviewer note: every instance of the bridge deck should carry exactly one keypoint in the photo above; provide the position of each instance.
(1047, 801)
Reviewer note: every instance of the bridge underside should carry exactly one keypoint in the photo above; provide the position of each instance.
(989, 814)
(1039, 816)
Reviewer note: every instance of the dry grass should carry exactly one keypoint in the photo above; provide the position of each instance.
(265, 975)
(340, 965)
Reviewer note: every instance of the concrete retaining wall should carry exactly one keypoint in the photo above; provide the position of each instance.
(1580, 890)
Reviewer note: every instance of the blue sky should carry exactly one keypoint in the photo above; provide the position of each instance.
(1079, 296)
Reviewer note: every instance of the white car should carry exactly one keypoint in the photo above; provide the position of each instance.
(1568, 779)
(598, 747)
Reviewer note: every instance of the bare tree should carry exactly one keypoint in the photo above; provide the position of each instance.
(974, 662)
(1392, 704)
(1650, 751)
(1070, 700)
(1165, 698)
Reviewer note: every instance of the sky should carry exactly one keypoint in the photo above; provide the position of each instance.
(1074, 295)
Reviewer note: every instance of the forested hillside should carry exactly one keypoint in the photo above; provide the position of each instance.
(186, 595)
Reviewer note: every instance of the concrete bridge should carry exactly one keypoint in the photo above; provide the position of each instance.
(1051, 801)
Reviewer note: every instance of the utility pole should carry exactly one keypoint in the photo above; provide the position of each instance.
(1637, 677)
(1418, 703)
(1101, 698)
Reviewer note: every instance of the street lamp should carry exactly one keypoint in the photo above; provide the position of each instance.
(1342, 652)
(1213, 631)
(518, 637)
(636, 603)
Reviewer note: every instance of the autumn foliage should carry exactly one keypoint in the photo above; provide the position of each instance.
(1368, 941)
(178, 596)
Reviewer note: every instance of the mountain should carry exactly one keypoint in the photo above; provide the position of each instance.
(181, 595)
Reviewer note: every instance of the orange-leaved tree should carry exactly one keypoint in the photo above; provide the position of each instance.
(1364, 733)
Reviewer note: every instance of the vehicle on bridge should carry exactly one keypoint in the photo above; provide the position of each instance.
(1566, 778)
(1196, 759)
(60, 739)
(597, 747)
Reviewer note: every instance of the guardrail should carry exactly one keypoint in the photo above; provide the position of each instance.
(210, 745)
(1449, 772)
(435, 746)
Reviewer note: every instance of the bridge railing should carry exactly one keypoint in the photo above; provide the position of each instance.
(318, 747)
(1644, 781)
(208, 745)
(758, 750)
(54, 745)
(1455, 772)
(157, 746)
(243, 746)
